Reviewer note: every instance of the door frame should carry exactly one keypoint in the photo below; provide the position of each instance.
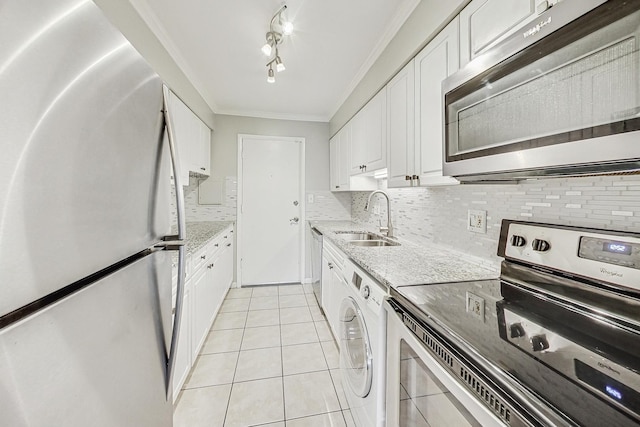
(301, 198)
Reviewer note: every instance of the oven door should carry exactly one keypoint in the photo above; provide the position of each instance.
(420, 391)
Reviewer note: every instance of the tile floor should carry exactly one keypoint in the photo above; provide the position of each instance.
(269, 360)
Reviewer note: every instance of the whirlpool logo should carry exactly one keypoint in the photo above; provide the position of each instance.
(610, 273)
(609, 368)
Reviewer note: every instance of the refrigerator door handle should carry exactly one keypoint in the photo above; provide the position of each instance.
(175, 334)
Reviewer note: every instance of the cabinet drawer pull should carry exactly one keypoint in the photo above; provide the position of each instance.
(203, 257)
(203, 169)
(216, 245)
(228, 244)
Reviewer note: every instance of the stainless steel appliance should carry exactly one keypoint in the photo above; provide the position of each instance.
(85, 304)
(316, 264)
(559, 97)
(554, 342)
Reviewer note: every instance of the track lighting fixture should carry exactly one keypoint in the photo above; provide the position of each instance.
(278, 27)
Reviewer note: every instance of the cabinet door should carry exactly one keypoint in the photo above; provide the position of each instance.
(201, 308)
(374, 147)
(204, 150)
(327, 287)
(344, 157)
(358, 126)
(433, 64)
(334, 163)
(400, 128)
(483, 23)
(183, 351)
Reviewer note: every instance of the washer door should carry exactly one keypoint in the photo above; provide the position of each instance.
(355, 349)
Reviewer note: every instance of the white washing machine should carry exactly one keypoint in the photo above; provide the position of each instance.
(362, 344)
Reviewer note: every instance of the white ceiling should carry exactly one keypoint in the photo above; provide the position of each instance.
(217, 45)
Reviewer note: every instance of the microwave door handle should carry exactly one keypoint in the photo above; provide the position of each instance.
(175, 334)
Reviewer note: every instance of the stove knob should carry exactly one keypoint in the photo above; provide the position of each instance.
(518, 241)
(516, 330)
(539, 343)
(366, 292)
(540, 245)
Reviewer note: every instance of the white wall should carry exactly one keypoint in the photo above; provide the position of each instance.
(124, 17)
(426, 21)
(224, 149)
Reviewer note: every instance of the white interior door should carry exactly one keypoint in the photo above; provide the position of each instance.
(271, 210)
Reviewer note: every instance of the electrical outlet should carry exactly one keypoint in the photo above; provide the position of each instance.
(475, 306)
(477, 221)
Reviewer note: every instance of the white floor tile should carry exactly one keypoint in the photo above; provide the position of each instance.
(311, 300)
(301, 358)
(309, 394)
(202, 407)
(336, 377)
(331, 354)
(290, 290)
(259, 364)
(348, 418)
(287, 301)
(238, 304)
(295, 315)
(222, 341)
(265, 291)
(410, 415)
(259, 318)
(324, 332)
(212, 369)
(235, 320)
(263, 303)
(308, 289)
(332, 419)
(255, 402)
(263, 337)
(239, 293)
(299, 333)
(317, 314)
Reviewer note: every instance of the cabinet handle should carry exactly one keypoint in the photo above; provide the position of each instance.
(216, 245)
(225, 237)
(407, 178)
(337, 186)
(203, 257)
(228, 244)
(203, 169)
(210, 266)
(415, 177)
(330, 265)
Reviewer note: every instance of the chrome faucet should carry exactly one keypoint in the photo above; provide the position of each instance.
(389, 228)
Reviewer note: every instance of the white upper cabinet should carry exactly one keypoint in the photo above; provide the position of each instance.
(369, 136)
(401, 160)
(193, 139)
(438, 60)
(339, 156)
(485, 22)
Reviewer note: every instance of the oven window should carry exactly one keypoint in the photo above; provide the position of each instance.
(424, 401)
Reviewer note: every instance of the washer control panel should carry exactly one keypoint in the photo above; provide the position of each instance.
(370, 293)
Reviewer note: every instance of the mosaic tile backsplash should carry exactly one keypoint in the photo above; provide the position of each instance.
(439, 214)
(326, 205)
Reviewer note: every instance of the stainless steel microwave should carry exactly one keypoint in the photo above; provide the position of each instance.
(559, 97)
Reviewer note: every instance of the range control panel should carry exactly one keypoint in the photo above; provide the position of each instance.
(605, 256)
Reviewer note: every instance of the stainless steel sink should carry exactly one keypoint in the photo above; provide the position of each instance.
(359, 236)
(373, 243)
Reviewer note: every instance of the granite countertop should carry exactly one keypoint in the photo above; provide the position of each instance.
(407, 264)
(198, 235)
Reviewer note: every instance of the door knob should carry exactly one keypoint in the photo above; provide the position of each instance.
(294, 220)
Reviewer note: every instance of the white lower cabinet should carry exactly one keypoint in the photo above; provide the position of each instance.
(333, 284)
(205, 289)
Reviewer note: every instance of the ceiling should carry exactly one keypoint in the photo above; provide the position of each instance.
(217, 45)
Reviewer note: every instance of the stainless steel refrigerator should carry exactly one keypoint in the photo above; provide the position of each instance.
(85, 275)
